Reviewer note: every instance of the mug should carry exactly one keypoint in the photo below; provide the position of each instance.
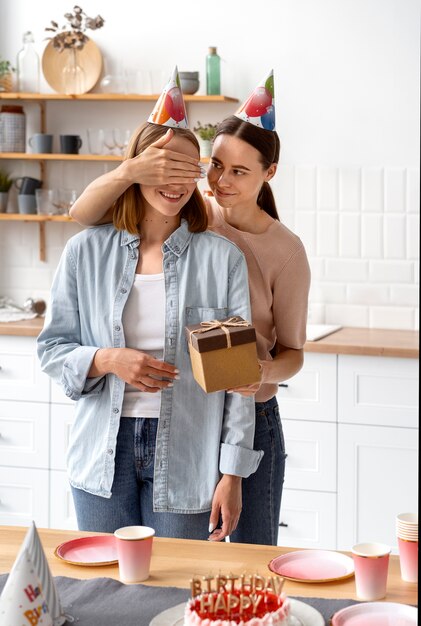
(27, 185)
(41, 143)
(70, 144)
(27, 203)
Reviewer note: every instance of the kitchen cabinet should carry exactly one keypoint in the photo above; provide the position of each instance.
(351, 436)
(35, 418)
(43, 159)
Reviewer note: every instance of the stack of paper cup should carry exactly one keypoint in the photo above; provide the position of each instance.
(407, 532)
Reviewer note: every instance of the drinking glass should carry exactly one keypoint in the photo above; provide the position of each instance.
(96, 140)
(63, 200)
(121, 139)
(109, 140)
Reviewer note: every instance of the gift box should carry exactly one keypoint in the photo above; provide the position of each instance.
(223, 353)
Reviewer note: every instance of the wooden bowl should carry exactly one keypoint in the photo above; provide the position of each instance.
(89, 59)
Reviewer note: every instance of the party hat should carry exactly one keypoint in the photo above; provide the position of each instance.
(259, 108)
(170, 109)
(30, 595)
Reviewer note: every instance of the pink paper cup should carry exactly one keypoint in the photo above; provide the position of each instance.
(371, 562)
(408, 559)
(134, 549)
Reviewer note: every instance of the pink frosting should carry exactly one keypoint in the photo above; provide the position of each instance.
(276, 618)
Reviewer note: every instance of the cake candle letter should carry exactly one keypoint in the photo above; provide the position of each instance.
(196, 587)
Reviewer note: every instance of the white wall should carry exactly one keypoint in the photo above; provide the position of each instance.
(347, 93)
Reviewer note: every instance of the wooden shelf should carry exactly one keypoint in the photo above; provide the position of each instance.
(104, 97)
(21, 217)
(57, 156)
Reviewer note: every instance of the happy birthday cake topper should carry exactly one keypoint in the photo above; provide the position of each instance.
(170, 109)
(259, 108)
(239, 593)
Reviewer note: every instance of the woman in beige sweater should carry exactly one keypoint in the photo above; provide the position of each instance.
(243, 209)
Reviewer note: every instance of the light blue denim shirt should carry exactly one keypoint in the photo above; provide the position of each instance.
(200, 436)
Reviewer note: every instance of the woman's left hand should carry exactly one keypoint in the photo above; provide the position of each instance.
(226, 505)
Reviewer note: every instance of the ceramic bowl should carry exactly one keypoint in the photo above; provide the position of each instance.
(189, 82)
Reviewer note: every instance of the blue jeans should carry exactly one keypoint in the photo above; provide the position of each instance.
(131, 500)
(262, 491)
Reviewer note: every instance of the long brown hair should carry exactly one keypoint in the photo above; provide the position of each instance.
(266, 143)
(129, 207)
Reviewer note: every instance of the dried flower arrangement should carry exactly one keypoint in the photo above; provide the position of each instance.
(73, 35)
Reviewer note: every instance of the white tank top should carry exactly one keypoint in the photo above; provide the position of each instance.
(144, 329)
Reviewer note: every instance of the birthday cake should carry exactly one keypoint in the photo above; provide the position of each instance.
(237, 600)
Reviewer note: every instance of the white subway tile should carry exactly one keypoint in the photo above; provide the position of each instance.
(327, 189)
(305, 228)
(404, 295)
(316, 313)
(283, 188)
(413, 191)
(416, 325)
(416, 273)
(305, 188)
(327, 234)
(392, 317)
(395, 236)
(11, 232)
(317, 268)
(30, 234)
(391, 271)
(413, 236)
(330, 293)
(368, 294)
(395, 192)
(32, 279)
(346, 270)
(372, 236)
(372, 190)
(349, 235)
(350, 189)
(347, 315)
(12, 256)
(287, 218)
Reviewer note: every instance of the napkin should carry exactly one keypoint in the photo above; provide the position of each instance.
(29, 597)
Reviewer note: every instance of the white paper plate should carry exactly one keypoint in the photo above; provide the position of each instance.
(376, 614)
(304, 614)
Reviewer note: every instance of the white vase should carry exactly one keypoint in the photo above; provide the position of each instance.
(205, 147)
(4, 196)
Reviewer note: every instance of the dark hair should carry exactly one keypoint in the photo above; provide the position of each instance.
(128, 208)
(266, 143)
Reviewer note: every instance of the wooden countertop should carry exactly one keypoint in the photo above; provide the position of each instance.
(362, 341)
(176, 561)
(369, 342)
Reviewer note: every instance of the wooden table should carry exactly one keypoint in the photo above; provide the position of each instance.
(175, 561)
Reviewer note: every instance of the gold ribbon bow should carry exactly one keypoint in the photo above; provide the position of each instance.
(213, 324)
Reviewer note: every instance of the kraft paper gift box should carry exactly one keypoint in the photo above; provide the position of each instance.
(223, 353)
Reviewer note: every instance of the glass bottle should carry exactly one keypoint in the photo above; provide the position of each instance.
(213, 73)
(28, 65)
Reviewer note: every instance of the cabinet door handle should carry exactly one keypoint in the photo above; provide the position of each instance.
(283, 385)
(283, 524)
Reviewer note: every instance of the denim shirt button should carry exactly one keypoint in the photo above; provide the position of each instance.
(116, 327)
(115, 410)
(123, 290)
(110, 451)
(176, 249)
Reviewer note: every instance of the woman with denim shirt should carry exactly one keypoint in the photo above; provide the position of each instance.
(186, 455)
(244, 159)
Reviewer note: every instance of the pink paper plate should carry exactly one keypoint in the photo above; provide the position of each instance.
(92, 551)
(376, 614)
(313, 566)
